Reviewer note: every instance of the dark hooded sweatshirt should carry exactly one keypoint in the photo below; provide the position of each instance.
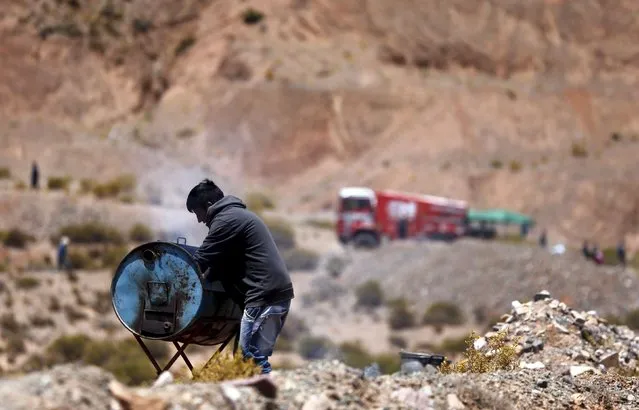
(241, 253)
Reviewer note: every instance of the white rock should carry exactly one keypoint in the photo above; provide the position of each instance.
(163, 379)
(454, 403)
(630, 397)
(532, 366)
(231, 392)
(577, 370)
(480, 343)
(515, 304)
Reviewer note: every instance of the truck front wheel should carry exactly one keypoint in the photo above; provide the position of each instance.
(365, 240)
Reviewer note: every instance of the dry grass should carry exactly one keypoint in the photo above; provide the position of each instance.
(225, 366)
(497, 355)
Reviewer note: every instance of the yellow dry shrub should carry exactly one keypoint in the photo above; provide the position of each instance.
(224, 366)
(497, 355)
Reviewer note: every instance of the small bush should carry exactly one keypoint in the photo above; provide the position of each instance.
(113, 188)
(58, 183)
(73, 314)
(355, 355)
(259, 202)
(27, 282)
(369, 294)
(223, 366)
(5, 173)
(497, 164)
(80, 259)
(398, 341)
(579, 150)
(87, 185)
(443, 313)
(282, 233)
(400, 316)
(515, 166)
(313, 347)
(113, 256)
(300, 259)
(15, 344)
(140, 233)
(39, 321)
(123, 358)
(335, 265)
(16, 238)
(453, 345)
(54, 304)
(9, 324)
(252, 16)
(91, 232)
(20, 185)
(632, 319)
(497, 355)
(102, 302)
(321, 224)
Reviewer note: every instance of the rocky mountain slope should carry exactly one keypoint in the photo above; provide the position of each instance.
(563, 358)
(528, 105)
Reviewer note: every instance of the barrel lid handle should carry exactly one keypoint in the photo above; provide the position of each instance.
(178, 240)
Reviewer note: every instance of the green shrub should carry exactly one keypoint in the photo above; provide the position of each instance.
(102, 302)
(252, 16)
(9, 324)
(400, 317)
(73, 314)
(503, 356)
(259, 201)
(579, 150)
(5, 173)
(453, 345)
(354, 354)
(87, 185)
(113, 188)
(282, 233)
(632, 319)
(610, 256)
(91, 232)
(313, 347)
(39, 321)
(80, 259)
(398, 341)
(300, 259)
(27, 282)
(58, 183)
(223, 366)
(113, 255)
(124, 358)
(497, 164)
(515, 166)
(443, 313)
(16, 238)
(15, 344)
(140, 233)
(321, 224)
(369, 294)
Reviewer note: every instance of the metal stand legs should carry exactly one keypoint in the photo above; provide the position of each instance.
(180, 352)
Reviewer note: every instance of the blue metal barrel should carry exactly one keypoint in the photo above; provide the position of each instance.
(157, 293)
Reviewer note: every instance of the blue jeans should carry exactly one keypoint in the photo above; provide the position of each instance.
(259, 329)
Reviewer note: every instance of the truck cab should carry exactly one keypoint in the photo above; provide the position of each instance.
(356, 217)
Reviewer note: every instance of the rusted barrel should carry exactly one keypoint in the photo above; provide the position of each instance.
(157, 293)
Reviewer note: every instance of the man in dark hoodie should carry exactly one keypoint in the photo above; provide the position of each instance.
(241, 253)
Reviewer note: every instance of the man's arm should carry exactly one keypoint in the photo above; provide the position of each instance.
(215, 246)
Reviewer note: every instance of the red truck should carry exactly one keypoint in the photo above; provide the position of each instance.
(365, 216)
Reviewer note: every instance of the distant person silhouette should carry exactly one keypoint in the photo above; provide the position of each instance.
(62, 253)
(621, 253)
(35, 176)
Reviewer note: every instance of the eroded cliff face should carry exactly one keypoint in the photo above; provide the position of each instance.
(420, 95)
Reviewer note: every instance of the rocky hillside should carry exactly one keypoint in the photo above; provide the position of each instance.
(553, 357)
(529, 105)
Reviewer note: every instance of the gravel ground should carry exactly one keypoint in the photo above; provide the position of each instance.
(477, 274)
(565, 359)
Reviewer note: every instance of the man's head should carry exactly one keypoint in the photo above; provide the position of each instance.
(201, 197)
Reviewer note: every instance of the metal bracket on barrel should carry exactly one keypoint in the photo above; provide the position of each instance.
(180, 352)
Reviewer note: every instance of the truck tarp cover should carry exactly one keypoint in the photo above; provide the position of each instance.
(499, 216)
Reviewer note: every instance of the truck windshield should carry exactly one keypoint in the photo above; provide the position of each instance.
(356, 204)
